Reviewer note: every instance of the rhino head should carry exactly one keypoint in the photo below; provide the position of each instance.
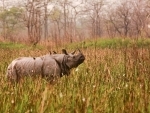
(72, 60)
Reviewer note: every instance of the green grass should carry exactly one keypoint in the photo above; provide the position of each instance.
(110, 43)
(11, 45)
(109, 81)
(98, 43)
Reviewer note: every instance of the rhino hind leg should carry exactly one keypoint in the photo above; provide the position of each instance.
(12, 74)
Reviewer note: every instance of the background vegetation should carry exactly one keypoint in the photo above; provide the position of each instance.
(114, 78)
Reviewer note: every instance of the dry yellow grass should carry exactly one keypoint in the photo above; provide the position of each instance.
(110, 80)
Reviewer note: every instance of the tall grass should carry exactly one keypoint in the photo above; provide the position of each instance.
(113, 80)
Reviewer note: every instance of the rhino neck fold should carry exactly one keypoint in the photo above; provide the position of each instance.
(64, 68)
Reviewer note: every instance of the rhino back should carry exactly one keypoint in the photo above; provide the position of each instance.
(29, 66)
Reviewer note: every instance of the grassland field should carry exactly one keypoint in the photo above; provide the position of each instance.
(115, 78)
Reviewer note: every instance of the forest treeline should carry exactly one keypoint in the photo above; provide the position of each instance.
(69, 21)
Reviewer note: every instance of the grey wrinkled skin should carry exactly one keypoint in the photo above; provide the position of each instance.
(49, 66)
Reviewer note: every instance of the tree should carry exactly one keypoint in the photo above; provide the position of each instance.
(10, 21)
(120, 18)
(128, 19)
(94, 9)
(65, 14)
(3, 8)
(55, 17)
(32, 17)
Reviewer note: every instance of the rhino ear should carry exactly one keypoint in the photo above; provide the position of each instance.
(64, 52)
(50, 52)
(54, 52)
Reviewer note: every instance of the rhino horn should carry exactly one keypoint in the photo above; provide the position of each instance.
(79, 50)
(64, 52)
(73, 52)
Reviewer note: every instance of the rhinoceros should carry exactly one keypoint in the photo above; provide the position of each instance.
(49, 66)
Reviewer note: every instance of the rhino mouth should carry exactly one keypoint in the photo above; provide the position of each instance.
(80, 60)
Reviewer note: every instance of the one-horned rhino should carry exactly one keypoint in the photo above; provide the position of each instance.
(48, 66)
